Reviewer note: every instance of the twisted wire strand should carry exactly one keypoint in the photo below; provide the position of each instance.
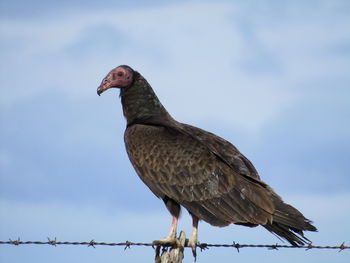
(202, 246)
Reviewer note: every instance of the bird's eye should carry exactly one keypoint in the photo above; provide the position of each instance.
(120, 73)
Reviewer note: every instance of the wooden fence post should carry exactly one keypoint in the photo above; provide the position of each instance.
(174, 255)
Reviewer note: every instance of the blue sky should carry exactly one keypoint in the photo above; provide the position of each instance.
(272, 77)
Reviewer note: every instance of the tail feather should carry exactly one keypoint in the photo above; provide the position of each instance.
(295, 238)
(289, 224)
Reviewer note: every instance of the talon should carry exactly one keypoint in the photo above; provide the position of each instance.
(193, 244)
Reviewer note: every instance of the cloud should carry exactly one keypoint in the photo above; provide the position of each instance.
(186, 58)
(225, 64)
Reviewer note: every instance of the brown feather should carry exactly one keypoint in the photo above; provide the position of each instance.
(192, 181)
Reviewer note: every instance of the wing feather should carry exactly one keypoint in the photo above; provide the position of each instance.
(215, 185)
(225, 150)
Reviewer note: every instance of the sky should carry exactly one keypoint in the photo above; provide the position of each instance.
(272, 77)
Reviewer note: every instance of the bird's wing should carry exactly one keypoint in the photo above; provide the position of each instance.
(224, 150)
(184, 164)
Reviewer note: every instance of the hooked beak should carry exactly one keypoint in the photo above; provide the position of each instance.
(102, 88)
(105, 84)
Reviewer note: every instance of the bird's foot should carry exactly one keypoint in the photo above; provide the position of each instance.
(167, 242)
(192, 242)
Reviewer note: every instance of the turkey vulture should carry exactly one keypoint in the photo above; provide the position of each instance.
(190, 167)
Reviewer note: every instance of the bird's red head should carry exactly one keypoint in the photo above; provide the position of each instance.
(120, 77)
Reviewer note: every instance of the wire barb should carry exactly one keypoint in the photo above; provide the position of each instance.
(202, 246)
(342, 247)
(52, 242)
(127, 244)
(92, 243)
(236, 245)
(15, 242)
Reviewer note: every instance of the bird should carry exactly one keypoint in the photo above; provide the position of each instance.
(189, 167)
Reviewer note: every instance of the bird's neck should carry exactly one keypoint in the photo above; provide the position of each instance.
(141, 105)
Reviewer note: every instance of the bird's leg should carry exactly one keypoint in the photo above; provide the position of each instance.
(172, 233)
(171, 238)
(192, 242)
(174, 209)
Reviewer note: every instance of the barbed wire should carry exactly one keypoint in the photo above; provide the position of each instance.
(202, 246)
